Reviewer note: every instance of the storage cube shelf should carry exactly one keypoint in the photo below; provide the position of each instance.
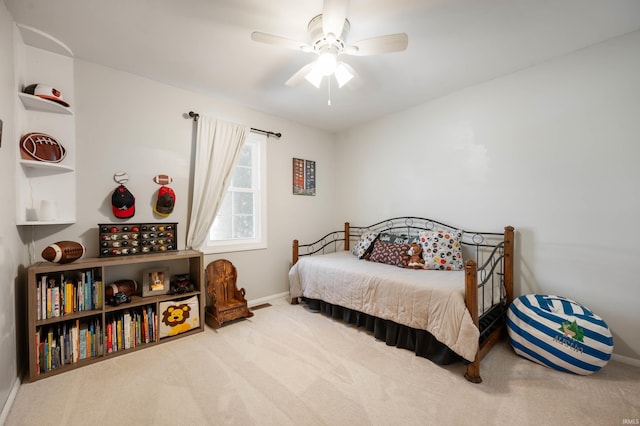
(71, 325)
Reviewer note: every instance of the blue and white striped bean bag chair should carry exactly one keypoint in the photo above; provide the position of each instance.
(559, 333)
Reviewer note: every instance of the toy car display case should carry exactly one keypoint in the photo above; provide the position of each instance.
(116, 240)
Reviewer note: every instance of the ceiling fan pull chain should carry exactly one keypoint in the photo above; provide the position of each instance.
(329, 88)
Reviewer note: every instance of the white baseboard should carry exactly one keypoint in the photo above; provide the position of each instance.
(7, 405)
(626, 360)
(260, 301)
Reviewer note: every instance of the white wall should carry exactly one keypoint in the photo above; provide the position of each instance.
(11, 247)
(551, 150)
(128, 123)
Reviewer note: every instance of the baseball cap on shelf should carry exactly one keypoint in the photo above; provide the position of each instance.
(123, 203)
(46, 92)
(165, 202)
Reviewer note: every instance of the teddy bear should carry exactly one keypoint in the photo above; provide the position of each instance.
(416, 261)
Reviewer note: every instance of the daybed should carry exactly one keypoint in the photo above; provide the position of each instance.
(452, 313)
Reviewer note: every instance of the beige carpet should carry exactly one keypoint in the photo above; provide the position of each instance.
(287, 366)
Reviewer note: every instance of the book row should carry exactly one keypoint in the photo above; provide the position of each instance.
(68, 343)
(68, 292)
(131, 328)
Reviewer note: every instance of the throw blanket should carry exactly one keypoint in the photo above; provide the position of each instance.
(422, 299)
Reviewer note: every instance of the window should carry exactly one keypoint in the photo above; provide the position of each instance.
(241, 222)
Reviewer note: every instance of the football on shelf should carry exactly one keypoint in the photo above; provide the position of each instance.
(63, 252)
(41, 147)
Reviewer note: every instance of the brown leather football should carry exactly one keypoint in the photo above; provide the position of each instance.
(41, 147)
(162, 179)
(63, 252)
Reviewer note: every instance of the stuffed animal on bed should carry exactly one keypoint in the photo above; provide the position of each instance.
(416, 261)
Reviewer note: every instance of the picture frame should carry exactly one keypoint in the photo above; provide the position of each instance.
(155, 281)
(304, 177)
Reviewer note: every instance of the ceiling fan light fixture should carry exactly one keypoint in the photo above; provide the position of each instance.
(326, 63)
(314, 76)
(343, 75)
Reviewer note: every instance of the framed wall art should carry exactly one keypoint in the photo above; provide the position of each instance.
(155, 281)
(304, 177)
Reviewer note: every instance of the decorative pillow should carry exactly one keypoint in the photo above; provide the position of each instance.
(398, 238)
(178, 316)
(441, 249)
(390, 253)
(364, 244)
(388, 237)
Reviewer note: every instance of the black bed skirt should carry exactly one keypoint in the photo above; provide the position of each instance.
(393, 334)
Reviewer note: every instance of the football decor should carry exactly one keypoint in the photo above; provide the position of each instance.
(162, 179)
(63, 252)
(41, 147)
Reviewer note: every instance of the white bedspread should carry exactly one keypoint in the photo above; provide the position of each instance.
(422, 299)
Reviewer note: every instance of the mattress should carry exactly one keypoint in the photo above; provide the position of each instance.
(424, 299)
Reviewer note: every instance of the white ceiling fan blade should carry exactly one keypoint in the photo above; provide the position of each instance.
(278, 41)
(356, 82)
(300, 75)
(376, 45)
(334, 13)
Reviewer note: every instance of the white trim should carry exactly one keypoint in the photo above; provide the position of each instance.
(626, 360)
(9, 403)
(255, 302)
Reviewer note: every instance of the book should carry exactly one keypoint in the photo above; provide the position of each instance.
(39, 300)
(87, 290)
(109, 338)
(48, 348)
(63, 344)
(75, 341)
(83, 342)
(55, 355)
(68, 294)
(43, 297)
(99, 292)
(55, 295)
(126, 328)
(38, 351)
(49, 300)
(145, 326)
(119, 334)
(80, 293)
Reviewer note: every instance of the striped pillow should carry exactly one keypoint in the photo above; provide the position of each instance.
(559, 333)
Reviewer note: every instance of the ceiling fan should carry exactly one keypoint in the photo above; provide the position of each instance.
(328, 39)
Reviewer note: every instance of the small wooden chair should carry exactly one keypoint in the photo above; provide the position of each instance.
(227, 302)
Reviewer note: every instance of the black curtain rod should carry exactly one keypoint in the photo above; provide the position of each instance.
(195, 116)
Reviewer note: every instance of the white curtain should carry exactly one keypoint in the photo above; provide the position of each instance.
(218, 144)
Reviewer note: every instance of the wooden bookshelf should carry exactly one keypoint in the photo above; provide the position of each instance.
(92, 317)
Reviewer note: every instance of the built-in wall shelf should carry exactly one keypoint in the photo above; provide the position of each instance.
(47, 222)
(43, 165)
(35, 103)
(44, 189)
(36, 38)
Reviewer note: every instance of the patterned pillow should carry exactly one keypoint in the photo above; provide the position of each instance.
(388, 237)
(364, 244)
(441, 249)
(390, 253)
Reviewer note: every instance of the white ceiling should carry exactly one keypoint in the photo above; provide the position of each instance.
(205, 46)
